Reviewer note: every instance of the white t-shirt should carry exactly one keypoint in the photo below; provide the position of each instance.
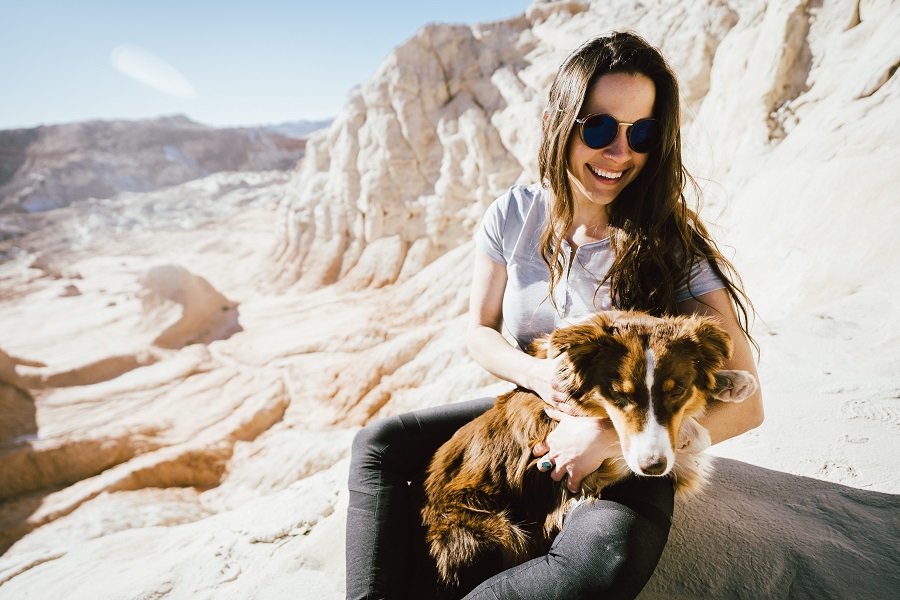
(510, 235)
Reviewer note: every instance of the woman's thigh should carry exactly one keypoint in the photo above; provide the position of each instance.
(384, 533)
(607, 549)
(405, 443)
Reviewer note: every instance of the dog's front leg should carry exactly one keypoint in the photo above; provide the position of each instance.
(693, 437)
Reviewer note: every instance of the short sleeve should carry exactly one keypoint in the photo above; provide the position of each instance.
(489, 236)
(703, 279)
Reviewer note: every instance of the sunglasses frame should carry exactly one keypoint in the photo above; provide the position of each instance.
(619, 124)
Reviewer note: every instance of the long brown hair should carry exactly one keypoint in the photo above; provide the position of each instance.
(654, 234)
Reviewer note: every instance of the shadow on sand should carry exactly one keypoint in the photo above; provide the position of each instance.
(760, 534)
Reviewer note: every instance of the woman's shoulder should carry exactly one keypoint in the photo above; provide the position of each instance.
(514, 218)
(520, 200)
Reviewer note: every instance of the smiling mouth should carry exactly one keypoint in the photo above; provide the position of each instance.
(605, 175)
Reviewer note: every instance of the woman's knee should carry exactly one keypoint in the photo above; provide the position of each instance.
(414, 437)
(372, 441)
(608, 551)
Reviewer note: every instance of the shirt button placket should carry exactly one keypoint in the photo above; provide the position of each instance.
(561, 293)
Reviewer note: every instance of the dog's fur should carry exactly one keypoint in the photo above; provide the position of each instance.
(485, 499)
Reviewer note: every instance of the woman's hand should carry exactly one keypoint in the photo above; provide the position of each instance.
(577, 447)
(544, 380)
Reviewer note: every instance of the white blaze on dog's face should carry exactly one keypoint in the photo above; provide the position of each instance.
(664, 377)
(648, 449)
(647, 406)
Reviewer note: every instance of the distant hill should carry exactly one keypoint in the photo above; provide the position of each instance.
(299, 129)
(48, 167)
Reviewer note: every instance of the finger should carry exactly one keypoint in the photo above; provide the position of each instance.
(554, 413)
(573, 483)
(544, 464)
(559, 399)
(540, 448)
(564, 407)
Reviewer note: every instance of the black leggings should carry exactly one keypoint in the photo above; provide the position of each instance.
(607, 549)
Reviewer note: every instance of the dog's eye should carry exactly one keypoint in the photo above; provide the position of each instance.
(626, 388)
(623, 405)
(677, 391)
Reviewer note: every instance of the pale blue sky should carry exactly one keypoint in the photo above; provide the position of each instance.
(249, 62)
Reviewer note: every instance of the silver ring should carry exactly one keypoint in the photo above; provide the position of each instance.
(545, 464)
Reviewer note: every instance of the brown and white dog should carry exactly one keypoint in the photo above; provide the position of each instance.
(486, 503)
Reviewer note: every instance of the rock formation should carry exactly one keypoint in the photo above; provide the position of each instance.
(161, 448)
(49, 167)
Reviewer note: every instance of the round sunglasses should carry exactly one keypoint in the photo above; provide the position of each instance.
(599, 131)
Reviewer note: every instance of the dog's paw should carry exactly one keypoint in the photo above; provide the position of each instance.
(734, 386)
(693, 438)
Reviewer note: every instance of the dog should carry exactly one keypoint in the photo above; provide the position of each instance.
(485, 500)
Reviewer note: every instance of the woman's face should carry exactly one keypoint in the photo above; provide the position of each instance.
(598, 176)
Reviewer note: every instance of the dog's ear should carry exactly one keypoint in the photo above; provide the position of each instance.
(588, 347)
(540, 347)
(715, 343)
(734, 386)
(564, 338)
(706, 343)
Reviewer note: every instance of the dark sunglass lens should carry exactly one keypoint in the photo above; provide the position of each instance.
(599, 131)
(644, 135)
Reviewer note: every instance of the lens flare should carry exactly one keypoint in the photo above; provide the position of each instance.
(152, 71)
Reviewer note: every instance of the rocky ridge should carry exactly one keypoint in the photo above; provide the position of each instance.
(51, 166)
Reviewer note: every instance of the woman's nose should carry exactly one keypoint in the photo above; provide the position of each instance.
(619, 149)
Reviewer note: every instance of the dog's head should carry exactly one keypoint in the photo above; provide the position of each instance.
(646, 374)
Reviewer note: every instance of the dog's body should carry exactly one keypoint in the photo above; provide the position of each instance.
(486, 501)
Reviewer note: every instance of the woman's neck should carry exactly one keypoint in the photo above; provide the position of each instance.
(589, 224)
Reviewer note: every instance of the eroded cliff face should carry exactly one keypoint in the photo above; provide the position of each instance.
(183, 395)
(450, 121)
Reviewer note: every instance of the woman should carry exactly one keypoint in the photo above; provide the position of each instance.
(608, 229)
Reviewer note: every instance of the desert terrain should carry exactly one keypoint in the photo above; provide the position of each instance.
(182, 370)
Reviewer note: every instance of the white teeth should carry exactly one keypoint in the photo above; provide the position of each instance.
(606, 174)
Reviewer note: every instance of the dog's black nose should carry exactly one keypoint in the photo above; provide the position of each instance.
(654, 466)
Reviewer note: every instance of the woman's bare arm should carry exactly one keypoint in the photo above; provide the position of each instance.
(488, 346)
(725, 420)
